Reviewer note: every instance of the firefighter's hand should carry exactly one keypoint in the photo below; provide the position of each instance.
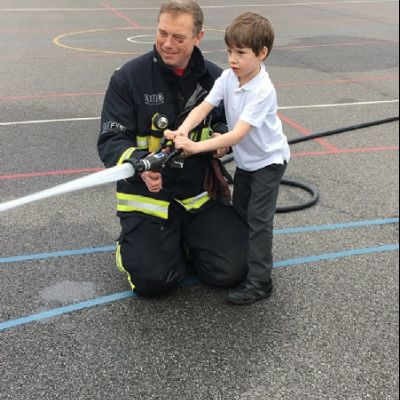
(221, 152)
(153, 181)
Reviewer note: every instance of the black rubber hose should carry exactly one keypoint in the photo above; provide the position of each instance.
(343, 130)
(330, 133)
(225, 172)
(309, 188)
(302, 206)
(286, 182)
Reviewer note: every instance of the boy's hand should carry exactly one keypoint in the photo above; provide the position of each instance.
(171, 135)
(184, 143)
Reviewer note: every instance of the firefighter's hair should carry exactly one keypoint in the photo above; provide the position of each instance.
(185, 7)
(250, 30)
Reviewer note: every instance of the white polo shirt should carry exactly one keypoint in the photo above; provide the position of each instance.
(256, 104)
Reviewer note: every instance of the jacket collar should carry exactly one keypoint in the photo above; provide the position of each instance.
(197, 65)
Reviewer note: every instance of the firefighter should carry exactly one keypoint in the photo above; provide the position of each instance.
(181, 216)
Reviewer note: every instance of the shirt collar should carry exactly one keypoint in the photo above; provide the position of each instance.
(253, 84)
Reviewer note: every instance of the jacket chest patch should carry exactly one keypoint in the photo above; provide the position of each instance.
(154, 99)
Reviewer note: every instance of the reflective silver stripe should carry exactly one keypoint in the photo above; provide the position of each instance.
(195, 203)
(143, 205)
(126, 155)
(157, 208)
(142, 142)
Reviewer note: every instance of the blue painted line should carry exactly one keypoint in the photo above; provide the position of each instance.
(334, 256)
(333, 227)
(188, 282)
(64, 310)
(66, 253)
(107, 249)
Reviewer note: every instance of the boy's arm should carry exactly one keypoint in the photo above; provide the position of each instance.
(197, 115)
(229, 139)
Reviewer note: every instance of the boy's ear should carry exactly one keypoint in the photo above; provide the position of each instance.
(264, 53)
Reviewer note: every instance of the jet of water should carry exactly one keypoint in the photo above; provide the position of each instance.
(109, 175)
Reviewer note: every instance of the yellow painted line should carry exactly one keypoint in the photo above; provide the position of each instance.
(58, 41)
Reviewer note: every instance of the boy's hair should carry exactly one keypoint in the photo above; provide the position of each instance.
(250, 30)
(185, 7)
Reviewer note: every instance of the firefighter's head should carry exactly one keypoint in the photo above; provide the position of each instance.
(180, 29)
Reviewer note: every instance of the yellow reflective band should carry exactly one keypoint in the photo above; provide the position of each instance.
(206, 134)
(195, 203)
(119, 259)
(142, 142)
(154, 144)
(121, 266)
(145, 205)
(126, 155)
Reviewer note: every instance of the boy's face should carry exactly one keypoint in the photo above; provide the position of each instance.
(175, 39)
(245, 63)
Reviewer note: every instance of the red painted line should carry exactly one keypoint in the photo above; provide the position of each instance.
(62, 56)
(338, 81)
(345, 151)
(281, 85)
(351, 44)
(19, 31)
(49, 173)
(121, 15)
(49, 96)
(306, 132)
(294, 155)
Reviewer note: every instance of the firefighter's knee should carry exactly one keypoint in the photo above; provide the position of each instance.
(224, 270)
(150, 256)
(151, 279)
(150, 287)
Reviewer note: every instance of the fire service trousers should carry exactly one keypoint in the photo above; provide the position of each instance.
(155, 254)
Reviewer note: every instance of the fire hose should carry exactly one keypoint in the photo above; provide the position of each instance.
(311, 189)
(156, 162)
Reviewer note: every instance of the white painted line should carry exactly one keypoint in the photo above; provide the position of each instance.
(361, 103)
(49, 121)
(310, 3)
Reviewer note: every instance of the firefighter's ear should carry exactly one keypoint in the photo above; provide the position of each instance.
(199, 37)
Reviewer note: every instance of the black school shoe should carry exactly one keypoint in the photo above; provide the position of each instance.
(249, 292)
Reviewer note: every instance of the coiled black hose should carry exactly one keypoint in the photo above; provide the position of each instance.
(309, 188)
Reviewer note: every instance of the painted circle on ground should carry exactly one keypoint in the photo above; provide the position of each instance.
(139, 39)
(69, 40)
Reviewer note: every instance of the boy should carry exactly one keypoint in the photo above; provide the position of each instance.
(260, 148)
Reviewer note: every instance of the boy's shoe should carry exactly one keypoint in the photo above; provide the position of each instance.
(249, 292)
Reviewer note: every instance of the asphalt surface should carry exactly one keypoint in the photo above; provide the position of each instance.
(69, 327)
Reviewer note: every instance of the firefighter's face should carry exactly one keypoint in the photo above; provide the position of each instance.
(176, 39)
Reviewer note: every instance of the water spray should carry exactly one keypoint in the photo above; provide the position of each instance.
(130, 169)
(114, 174)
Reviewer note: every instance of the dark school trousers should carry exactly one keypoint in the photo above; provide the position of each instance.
(154, 252)
(255, 200)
